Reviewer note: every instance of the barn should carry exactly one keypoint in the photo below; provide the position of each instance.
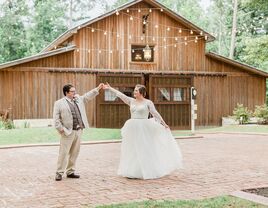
(139, 42)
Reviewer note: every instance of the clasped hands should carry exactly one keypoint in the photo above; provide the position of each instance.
(103, 86)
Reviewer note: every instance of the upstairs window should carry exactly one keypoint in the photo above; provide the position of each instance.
(142, 53)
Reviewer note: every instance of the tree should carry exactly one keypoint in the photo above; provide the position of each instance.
(190, 9)
(234, 26)
(13, 30)
(84, 9)
(48, 22)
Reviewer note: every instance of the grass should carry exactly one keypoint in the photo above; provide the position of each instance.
(49, 134)
(218, 202)
(236, 128)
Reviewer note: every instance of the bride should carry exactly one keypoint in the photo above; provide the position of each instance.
(148, 148)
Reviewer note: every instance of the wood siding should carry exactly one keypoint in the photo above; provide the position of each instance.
(169, 59)
(31, 95)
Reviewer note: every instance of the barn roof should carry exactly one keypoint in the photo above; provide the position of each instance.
(37, 56)
(232, 62)
(153, 3)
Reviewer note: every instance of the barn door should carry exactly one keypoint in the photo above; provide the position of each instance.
(171, 95)
(111, 111)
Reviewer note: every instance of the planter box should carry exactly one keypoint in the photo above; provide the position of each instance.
(226, 121)
(32, 123)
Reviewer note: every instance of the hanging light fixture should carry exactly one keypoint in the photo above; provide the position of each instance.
(147, 53)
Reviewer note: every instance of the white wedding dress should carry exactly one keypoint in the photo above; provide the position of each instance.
(148, 149)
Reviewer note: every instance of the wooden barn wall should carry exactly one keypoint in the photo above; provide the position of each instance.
(219, 95)
(31, 94)
(60, 60)
(183, 57)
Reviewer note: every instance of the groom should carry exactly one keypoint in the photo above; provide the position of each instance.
(70, 119)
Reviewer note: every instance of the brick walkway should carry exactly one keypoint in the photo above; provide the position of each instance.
(217, 164)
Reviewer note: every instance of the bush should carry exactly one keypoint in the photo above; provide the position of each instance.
(6, 124)
(242, 114)
(261, 112)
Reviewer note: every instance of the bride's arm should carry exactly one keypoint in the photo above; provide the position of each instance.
(155, 114)
(119, 94)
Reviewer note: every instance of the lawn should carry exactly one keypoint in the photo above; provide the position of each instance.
(251, 128)
(49, 134)
(218, 202)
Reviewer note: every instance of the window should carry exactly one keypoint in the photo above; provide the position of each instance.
(111, 96)
(169, 94)
(137, 53)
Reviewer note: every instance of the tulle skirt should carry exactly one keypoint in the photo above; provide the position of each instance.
(148, 150)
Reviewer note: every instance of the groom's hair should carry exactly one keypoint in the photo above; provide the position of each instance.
(66, 88)
(142, 89)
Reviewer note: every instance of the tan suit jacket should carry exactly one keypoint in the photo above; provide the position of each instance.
(62, 115)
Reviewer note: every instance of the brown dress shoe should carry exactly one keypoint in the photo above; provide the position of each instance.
(58, 177)
(72, 175)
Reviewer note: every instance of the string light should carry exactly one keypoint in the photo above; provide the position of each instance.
(152, 37)
(133, 50)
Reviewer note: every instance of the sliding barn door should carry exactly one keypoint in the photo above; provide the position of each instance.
(171, 95)
(111, 111)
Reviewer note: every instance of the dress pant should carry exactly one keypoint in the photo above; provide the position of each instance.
(68, 152)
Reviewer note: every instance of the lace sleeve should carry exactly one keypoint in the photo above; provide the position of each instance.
(122, 96)
(154, 112)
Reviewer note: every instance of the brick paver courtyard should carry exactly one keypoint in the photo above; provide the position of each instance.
(217, 164)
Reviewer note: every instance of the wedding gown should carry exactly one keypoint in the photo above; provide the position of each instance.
(148, 149)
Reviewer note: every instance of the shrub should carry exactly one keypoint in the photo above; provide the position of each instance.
(261, 112)
(6, 124)
(242, 114)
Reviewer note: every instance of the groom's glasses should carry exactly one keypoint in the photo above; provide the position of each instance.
(72, 91)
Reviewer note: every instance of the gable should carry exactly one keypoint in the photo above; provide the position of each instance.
(154, 5)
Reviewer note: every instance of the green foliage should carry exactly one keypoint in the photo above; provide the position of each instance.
(218, 202)
(6, 124)
(190, 9)
(255, 52)
(241, 113)
(48, 23)
(13, 30)
(261, 112)
(26, 124)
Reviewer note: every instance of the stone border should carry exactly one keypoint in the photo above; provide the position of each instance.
(82, 143)
(251, 197)
(246, 133)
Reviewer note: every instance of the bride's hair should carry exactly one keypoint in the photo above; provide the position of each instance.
(142, 89)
